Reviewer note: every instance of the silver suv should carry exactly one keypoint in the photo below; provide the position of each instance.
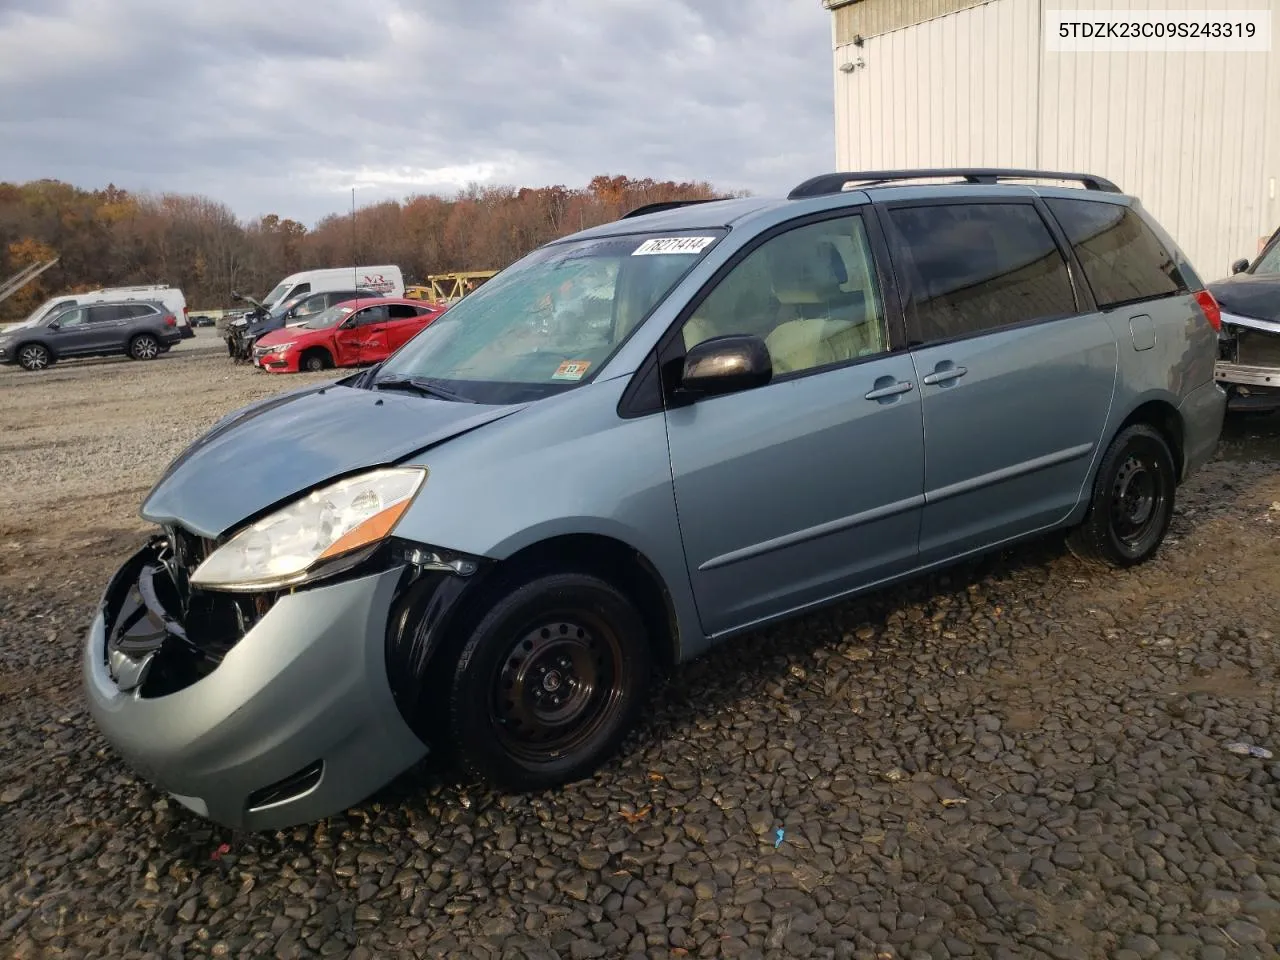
(636, 442)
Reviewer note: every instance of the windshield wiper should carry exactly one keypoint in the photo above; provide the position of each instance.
(419, 385)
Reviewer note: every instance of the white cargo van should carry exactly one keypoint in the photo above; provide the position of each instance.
(386, 281)
(171, 297)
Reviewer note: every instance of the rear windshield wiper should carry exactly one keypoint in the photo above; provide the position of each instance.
(419, 385)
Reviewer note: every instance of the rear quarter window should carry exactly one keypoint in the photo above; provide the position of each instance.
(1123, 260)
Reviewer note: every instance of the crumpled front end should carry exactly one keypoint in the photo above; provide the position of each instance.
(257, 711)
(1248, 364)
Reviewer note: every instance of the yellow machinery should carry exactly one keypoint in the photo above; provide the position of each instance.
(449, 287)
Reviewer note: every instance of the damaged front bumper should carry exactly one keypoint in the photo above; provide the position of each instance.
(258, 712)
(1248, 364)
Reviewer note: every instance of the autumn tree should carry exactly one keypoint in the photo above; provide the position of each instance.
(112, 237)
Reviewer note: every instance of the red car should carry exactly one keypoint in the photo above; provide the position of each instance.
(346, 335)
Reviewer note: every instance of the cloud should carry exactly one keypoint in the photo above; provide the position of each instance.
(284, 106)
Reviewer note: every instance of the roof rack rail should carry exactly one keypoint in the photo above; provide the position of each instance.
(828, 183)
(662, 205)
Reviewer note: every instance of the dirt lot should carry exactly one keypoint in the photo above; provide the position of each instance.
(1024, 757)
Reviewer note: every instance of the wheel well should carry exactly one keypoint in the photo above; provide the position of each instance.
(1164, 417)
(612, 560)
(318, 351)
(27, 343)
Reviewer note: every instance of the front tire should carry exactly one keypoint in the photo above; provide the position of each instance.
(316, 360)
(1132, 504)
(548, 683)
(144, 347)
(34, 356)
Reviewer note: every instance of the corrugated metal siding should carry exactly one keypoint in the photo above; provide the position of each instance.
(1195, 136)
(870, 18)
(935, 93)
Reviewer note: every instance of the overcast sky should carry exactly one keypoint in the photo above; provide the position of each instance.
(284, 105)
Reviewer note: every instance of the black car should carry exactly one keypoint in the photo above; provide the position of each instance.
(243, 332)
(141, 329)
(1249, 356)
(201, 320)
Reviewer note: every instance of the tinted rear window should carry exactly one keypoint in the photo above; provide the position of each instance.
(1123, 260)
(979, 266)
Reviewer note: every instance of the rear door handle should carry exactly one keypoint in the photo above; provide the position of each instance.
(901, 386)
(942, 376)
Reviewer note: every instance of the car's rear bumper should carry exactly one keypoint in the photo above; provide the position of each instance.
(1202, 412)
(187, 332)
(301, 700)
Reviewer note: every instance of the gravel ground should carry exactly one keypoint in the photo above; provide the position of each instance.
(1024, 757)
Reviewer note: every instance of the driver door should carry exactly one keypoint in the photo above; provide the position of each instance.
(812, 485)
(72, 335)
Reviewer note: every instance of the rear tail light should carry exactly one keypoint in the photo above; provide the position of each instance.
(170, 320)
(1212, 312)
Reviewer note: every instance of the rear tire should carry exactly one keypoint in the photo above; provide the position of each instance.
(34, 356)
(548, 683)
(144, 347)
(1132, 504)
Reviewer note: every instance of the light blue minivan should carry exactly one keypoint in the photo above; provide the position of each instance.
(636, 442)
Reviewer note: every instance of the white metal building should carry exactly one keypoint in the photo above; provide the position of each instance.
(1195, 135)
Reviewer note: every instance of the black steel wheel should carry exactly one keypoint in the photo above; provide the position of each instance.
(548, 683)
(1132, 504)
(315, 361)
(34, 356)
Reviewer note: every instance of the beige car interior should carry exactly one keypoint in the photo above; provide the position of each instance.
(809, 294)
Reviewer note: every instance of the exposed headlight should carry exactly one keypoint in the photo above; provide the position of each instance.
(283, 549)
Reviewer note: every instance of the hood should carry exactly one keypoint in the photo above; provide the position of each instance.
(263, 325)
(286, 335)
(1249, 295)
(281, 447)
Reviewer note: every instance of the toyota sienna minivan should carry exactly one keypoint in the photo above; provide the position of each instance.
(634, 443)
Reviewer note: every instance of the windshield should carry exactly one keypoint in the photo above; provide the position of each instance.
(280, 309)
(271, 298)
(1269, 262)
(552, 320)
(328, 318)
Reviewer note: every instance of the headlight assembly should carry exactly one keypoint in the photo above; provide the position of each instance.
(284, 548)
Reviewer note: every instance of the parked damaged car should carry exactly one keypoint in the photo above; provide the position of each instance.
(246, 331)
(1249, 363)
(351, 334)
(485, 544)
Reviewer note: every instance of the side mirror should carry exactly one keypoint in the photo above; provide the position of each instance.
(726, 365)
(55, 325)
(1240, 266)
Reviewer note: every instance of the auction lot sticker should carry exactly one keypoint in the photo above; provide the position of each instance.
(672, 245)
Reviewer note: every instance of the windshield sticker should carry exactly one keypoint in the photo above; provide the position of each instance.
(672, 245)
(571, 370)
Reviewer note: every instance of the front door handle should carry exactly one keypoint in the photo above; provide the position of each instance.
(944, 375)
(892, 389)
